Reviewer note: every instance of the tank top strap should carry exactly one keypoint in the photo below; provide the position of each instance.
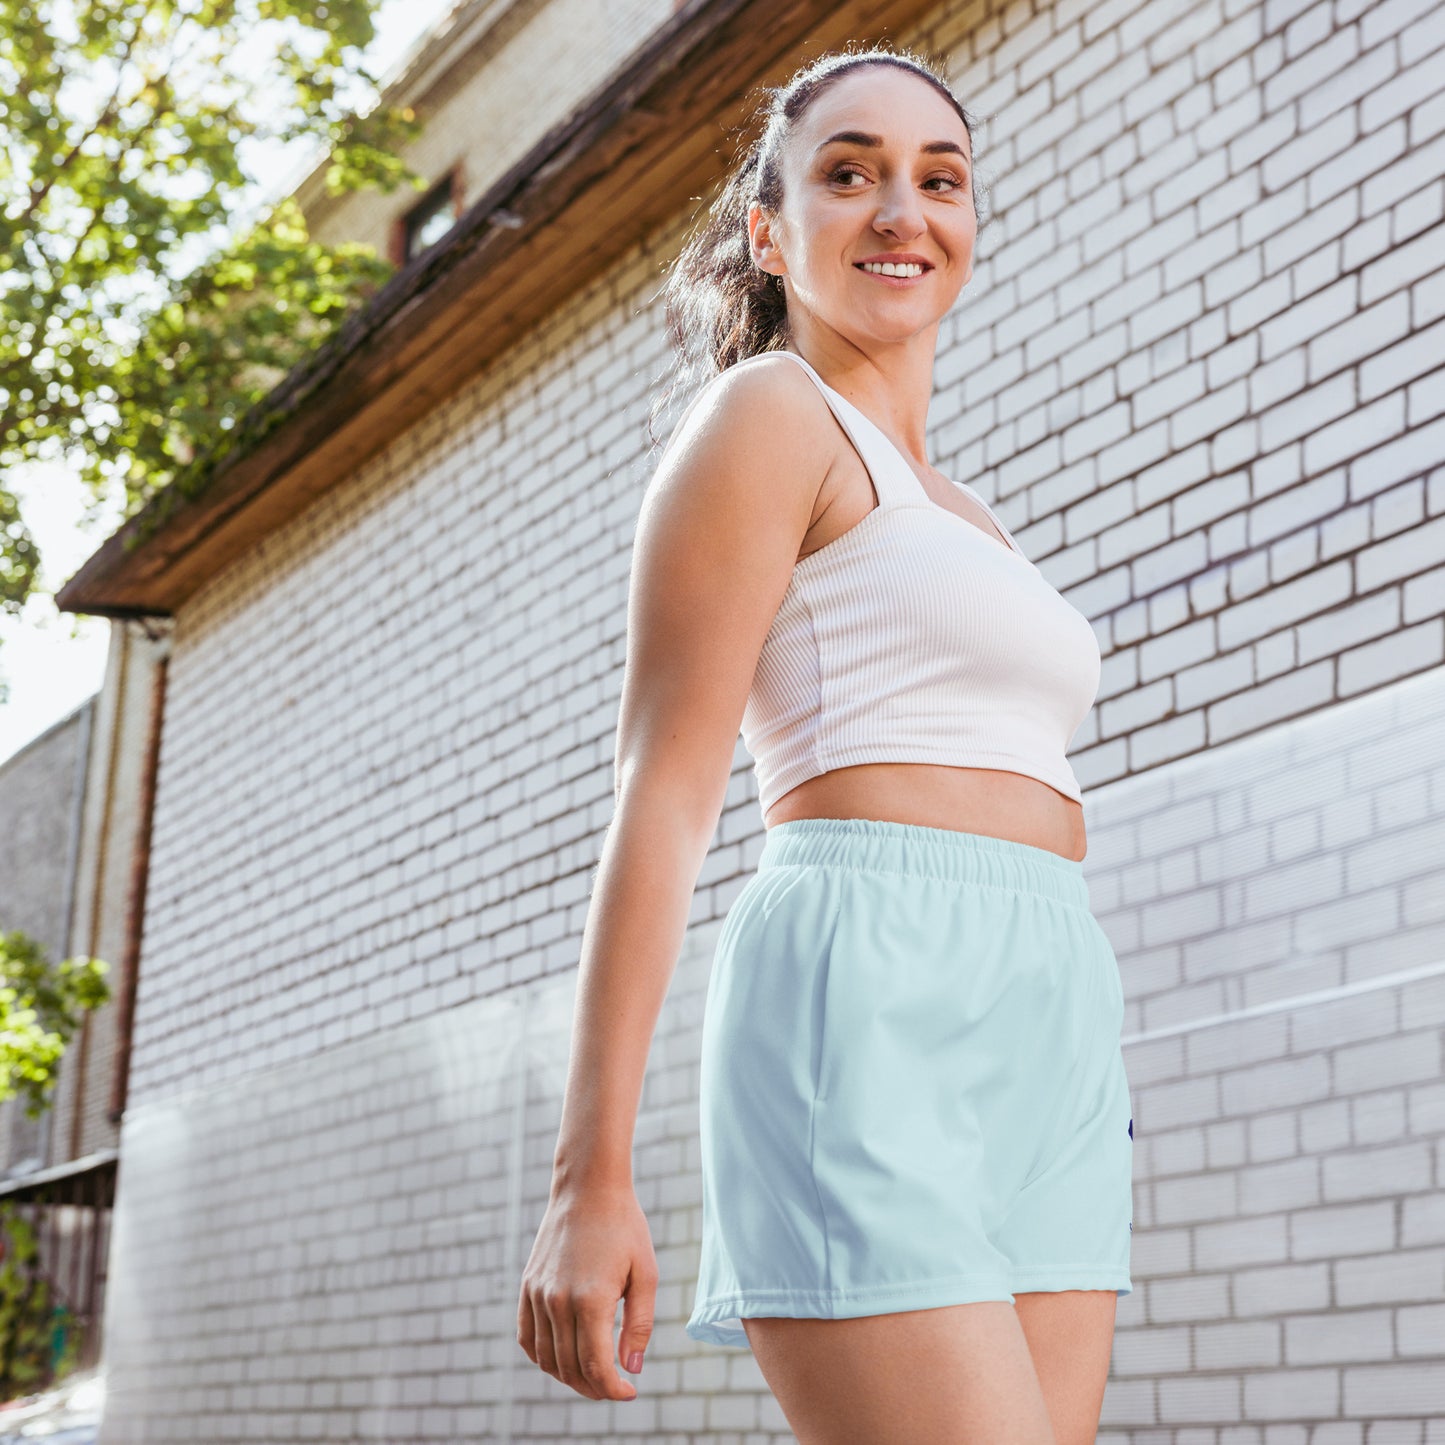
(894, 480)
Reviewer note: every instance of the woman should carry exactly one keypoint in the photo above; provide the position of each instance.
(916, 1130)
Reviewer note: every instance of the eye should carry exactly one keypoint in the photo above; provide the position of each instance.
(953, 181)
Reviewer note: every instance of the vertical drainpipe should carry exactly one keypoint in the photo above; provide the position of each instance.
(136, 890)
(98, 884)
(72, 864)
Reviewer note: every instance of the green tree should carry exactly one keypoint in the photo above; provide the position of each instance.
(41, 1005)
(32, 1314)
(144, 310)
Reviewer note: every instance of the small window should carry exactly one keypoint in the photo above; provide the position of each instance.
(429, 220)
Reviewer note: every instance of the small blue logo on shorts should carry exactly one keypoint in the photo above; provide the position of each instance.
(1131, 1128)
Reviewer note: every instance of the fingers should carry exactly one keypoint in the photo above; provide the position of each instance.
(572, 1342)
(591, 1337)
(534, 1332)
(564, 1335)
(639, 1307)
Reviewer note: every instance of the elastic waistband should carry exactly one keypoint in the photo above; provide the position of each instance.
(872, 845)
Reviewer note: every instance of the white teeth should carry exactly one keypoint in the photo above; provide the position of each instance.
(890, 268)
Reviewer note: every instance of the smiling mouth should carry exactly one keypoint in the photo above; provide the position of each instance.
(912, 271)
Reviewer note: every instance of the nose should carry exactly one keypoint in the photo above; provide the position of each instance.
(900, 211)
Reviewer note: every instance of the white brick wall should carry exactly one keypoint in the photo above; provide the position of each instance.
(1197, 368)
(1195, 372)
(1275, 908)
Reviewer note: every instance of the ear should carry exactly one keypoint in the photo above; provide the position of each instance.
(766, 254)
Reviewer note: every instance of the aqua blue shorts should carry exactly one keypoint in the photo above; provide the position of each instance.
(912, 1082)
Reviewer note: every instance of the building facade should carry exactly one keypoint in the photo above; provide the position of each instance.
(1198, 372)
(75, 811)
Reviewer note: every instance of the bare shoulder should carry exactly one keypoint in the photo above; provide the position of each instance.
(718, 536)
(761, 417)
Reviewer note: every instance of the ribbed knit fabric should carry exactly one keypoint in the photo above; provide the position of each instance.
(915, 637)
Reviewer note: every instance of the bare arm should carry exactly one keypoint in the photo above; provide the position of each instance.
(720, 528)
(718, 533)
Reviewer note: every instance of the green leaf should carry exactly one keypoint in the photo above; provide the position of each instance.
(144, 318)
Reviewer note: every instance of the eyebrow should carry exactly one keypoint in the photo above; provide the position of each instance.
(863, 138)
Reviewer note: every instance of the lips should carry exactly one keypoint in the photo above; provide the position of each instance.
(897, 280)
(902, 258)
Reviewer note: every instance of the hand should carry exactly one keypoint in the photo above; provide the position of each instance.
(592, 1249)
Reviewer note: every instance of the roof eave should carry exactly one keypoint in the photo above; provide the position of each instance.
(627, 160)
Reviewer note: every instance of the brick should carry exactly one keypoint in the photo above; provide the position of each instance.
(1378, 1118)
(1293, 510)
(1242, 1345)
(1394, 367)
(1397, 96)
(1379, 22)
(1294, 1394)
(1283, 698)
(1415, 168)
(1422, 1220)
(1236, 1242)
(1283, 1082)
(1198, 1297)
(1219, 677)
(1276, 1135)
(1425, 1104)
(1345, 1337)
(1406, 1274)
(1287, 1184)
(1375, 1173)
(1340, 1230)
(1416, 259)
(1205, 1398)
(1400, 556)
(1192, 1198)
(1238, 1043)
(1227, 1144)
(1282, 1289)
(1292, 602)
(1377, 424)
(1408, 1059)
(1421, 1330)
(1175, 1151)
(1394, 1389)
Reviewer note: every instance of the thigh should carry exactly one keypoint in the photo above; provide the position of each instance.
(954, 1375)
(1071, 1337)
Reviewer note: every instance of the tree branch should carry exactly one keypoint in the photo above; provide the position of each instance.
(39, 193)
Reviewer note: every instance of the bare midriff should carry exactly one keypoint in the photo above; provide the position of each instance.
(970, 800)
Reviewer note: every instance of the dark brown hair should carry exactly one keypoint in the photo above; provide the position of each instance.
(719, 307)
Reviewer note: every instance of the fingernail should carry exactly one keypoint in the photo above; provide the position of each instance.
(634, 1362)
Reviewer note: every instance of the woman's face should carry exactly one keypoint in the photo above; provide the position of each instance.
(900, 183)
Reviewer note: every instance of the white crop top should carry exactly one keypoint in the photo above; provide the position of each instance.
(915, 637)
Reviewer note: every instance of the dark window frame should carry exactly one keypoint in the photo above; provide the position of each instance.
(445, 195)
